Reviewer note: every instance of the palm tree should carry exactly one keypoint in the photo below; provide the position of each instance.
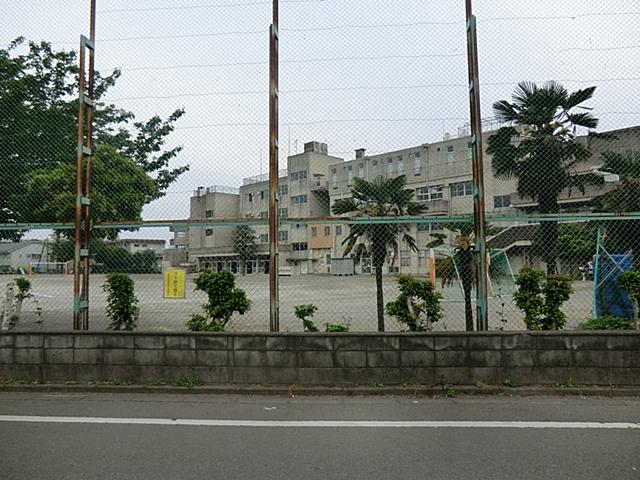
(462, 261)
(463, 257)
(543, 154)
(379, 198)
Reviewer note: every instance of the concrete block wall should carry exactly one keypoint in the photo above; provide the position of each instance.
(526, 358)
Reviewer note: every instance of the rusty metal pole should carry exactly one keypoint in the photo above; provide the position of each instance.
(77, 311)
(87, 189)
(274, 305)
(84, 155)
(478, 172)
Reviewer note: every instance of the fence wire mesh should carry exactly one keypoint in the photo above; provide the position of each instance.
(375, 162)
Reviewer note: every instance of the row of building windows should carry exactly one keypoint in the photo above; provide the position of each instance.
(326, 231)
(301, 175)
(424, 194)
(434, 227)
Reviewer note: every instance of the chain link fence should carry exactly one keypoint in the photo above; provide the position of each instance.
(375, 161)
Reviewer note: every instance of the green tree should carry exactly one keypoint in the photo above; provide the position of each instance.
(223, 300)
(463, 258)
(38, 122)
(543, 153)
(417, 306)
(576, 245)
(245, 245)
(622, 235)
(121, 301)
(540, 297)
(380, 198)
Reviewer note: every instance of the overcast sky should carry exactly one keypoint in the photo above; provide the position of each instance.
(376, 74)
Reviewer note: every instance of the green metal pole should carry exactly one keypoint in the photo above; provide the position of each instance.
(596, 270)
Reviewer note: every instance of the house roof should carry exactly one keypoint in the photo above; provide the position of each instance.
(510, 235)
(8, 247)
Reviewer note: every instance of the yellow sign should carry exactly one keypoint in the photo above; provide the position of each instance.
(174, 283)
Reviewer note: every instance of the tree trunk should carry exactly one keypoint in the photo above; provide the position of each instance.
(466, 259)
(244, 268)
(549, 233)
(380, 298)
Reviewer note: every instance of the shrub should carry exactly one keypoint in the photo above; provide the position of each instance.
(223, 300)
(121, 301)
(630, 281)
(540, 297)
(417, 306)
(607, 322)
(304, 312)
(336, 327)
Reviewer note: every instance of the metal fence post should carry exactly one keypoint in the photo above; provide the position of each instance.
(274, 307)
(478, 172)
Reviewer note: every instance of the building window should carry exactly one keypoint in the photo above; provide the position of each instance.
(361, 170)
(208, 232)
(299, 246)
(423, 227)
(374, 163)
(338, 230)
(314, 231)
(283, 212)
(461, 189)
(422, 194)
(436, 193)
(208, 213)
(283, 236)
(264, 214)
(469, 151)
(327, 231)
(301, 175)
(300, 225)
(284, 190)
(417, 163)
(249, 197)
(349, 175)
(298, 199)
(334, 178)
(264, 238)
(405, 258)
(451, 155)
(501, 201)
(436, 227)
(400, 165)
(263, 194)
(389, 167)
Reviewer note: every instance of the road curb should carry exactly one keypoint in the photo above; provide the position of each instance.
(310, 390)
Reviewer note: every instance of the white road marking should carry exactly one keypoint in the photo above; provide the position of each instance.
(318, 423)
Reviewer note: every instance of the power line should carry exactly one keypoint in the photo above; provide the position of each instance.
(354, 88)
(297, 61)
(356, 120)
(598, 49)
(331, 28)
(195, 7)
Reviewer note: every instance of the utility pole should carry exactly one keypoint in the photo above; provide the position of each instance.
(478, 172)
(84, 156)
(274, 305)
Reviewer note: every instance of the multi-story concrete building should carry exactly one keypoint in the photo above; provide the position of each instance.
(439, 172)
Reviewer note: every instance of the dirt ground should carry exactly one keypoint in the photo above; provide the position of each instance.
(349, 300)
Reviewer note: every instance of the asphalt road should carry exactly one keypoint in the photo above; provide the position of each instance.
(228, 437)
